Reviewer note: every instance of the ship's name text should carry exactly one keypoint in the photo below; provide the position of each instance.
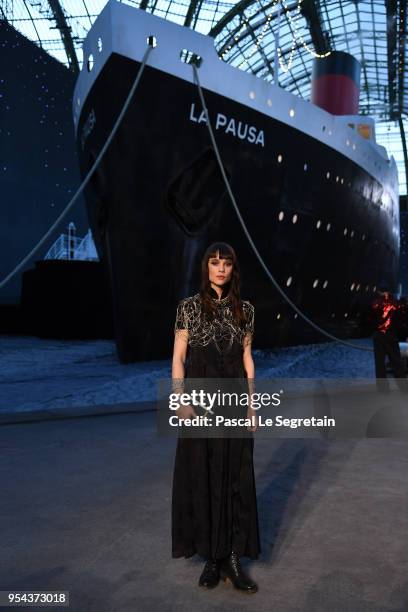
(240, 130)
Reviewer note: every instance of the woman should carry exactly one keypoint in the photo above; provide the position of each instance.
(214, 511)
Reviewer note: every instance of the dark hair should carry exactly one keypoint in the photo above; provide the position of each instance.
(225, 252)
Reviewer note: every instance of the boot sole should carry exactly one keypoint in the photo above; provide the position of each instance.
(227, 579)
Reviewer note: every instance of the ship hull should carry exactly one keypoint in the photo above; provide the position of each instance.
(158, 200)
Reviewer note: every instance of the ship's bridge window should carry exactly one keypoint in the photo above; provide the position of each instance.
(188, 57)
(364, 130)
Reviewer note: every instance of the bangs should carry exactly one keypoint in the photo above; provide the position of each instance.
(221, 250)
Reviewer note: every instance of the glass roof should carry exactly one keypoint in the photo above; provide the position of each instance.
(274, 39)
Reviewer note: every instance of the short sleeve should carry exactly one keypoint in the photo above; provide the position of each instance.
(181, 324)
(249, 311)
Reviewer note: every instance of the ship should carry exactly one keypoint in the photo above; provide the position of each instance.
(317, 194)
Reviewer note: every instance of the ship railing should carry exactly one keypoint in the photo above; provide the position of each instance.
(71, 247)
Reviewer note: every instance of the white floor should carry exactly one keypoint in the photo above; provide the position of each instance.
(39, 374)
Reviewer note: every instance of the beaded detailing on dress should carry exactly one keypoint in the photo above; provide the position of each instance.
(193, 326)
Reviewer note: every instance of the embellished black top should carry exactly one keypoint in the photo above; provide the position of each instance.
(215, 347)
(197, 331)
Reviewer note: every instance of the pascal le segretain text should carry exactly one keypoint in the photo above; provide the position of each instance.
(278, 421)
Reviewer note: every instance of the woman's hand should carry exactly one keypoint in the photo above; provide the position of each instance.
(252, 413)
(185, 412)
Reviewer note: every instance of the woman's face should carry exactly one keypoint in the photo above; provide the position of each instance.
(219, 270)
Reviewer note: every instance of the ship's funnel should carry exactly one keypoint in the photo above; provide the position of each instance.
(336, 83)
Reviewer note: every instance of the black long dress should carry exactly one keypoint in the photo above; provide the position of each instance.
(214, 507)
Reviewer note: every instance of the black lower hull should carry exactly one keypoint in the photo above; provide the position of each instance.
(157, 201)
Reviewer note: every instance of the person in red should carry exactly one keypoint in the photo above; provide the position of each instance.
(386, 314)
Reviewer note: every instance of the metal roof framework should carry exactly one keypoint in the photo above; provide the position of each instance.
(274, 39)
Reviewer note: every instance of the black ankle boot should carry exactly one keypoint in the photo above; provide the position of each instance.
(210, 575)
(230, 567)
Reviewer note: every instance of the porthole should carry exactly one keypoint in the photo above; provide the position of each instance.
(346, 314)
(354, 147)
(352, 233)
(289, 281)
(294, 218)
(252, 95)
(292, 112)
(269, 102)
(305, 167)
(281, 215)
(330, 132)
(295, 316)
(79, 101)
(325, 284)
(315, 283)
(90, 62)
(328, 175)
(375, 288)
(323, 128)
(278, 316)
(280, 159)
(342, 181)
(318, 224)
(337, 179)
(345, 231)
(367, 287)
(352, 287)
(99, 44)
(347, 142)
(363, 237)
(328, 226)
(358, 287)
(333, 315)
